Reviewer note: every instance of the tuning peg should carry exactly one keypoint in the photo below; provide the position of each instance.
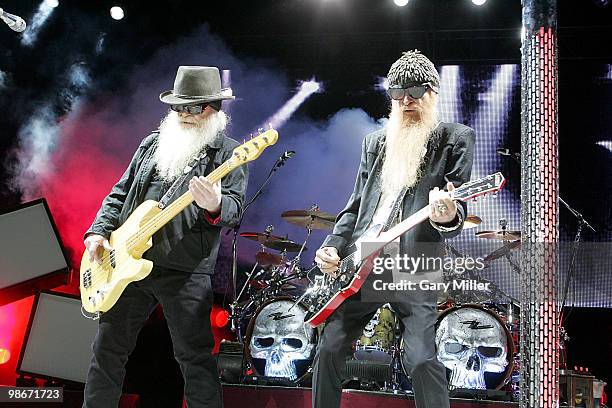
(260, 130)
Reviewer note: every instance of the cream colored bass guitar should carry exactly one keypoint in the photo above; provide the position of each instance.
(103, 283)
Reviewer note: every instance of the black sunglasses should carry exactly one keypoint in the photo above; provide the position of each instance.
(190, 109)
(415, 92)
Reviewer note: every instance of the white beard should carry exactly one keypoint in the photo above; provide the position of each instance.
(406, 144)
(179, 145)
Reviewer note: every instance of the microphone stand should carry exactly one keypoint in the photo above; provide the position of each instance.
(581, 224)
(234, 308)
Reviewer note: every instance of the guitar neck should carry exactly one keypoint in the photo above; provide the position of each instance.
(396, 231)
(172, 210)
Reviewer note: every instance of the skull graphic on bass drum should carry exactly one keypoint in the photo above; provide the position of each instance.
(471, 342)
(281, 344)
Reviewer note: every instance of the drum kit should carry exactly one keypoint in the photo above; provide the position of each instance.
(476, 333)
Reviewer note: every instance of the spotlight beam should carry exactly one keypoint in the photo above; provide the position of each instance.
(307, 88)
(38, 20)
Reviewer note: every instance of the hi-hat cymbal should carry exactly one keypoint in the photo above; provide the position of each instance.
(261, 237)
(267, 258)
(472, 221)
(500, 235)
(310, 219)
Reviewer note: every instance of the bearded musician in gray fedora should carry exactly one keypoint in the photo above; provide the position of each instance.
(404, 167)
(184, 251)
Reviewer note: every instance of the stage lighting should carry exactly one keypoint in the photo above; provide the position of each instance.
(479, 2)
(400, 3)
(117, 13)
(52, 3)
(310, 86)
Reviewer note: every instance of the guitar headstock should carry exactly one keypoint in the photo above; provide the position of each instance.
(251, 150)
(476, 188)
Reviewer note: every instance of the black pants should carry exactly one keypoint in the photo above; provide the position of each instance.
(186, 300)
(417, 311)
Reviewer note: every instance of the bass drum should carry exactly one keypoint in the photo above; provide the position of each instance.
(278, 342)
(475, 346)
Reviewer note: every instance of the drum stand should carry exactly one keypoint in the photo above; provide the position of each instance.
(234, 314)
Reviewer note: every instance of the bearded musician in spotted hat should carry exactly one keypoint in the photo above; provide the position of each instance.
(184, 251)
(415, 160)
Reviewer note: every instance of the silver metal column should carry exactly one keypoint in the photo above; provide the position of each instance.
(540, 206)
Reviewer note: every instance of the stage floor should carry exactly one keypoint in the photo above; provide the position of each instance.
(258, 396)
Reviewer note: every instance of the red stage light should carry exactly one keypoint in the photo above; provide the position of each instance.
(219, 317)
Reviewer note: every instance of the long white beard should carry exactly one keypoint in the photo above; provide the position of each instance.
(406, 144)
(179, 145)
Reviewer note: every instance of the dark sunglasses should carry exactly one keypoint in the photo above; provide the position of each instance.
(415, 92)
(190, 109)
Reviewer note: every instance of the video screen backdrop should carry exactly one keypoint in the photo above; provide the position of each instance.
(487, 98)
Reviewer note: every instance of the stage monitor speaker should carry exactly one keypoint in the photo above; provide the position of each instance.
(58, 339)
(31, 254)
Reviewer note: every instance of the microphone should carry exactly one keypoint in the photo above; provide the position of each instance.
(14, 22)
(286, 156)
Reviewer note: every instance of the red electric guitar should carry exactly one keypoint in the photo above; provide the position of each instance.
(325, 293)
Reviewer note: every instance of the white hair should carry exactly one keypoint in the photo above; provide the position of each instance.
(178, 145)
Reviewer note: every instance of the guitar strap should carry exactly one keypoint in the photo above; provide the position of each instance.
(395, 209)
(208, 151)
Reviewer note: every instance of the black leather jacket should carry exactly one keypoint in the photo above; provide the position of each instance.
(190, 242)
(449, 157)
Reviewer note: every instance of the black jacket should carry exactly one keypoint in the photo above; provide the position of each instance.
(189, 242)
(449, 157)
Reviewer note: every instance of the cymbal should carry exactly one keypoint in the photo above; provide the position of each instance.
(285, 245)
(310, 219)
(472, 221)
(261, 237)
(267, 258)
(502, 251)
(500, 235)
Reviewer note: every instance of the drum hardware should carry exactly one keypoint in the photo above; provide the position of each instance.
(502, 251)
(277, 164)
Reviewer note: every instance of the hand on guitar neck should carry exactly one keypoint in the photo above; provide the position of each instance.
(443, 207)
(207, 195)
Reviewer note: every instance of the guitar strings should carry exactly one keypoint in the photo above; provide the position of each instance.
(131, 241)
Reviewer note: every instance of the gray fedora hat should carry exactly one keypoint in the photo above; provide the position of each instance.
(195, 84)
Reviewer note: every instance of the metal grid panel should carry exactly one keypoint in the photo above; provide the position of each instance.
(539, 207)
